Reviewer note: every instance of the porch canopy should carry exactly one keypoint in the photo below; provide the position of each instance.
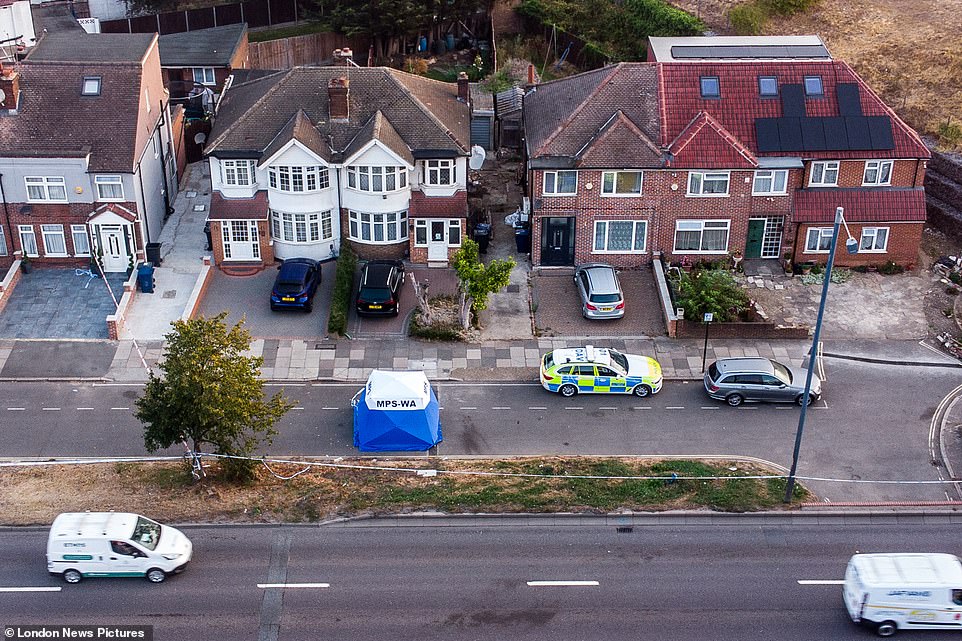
(396, 411)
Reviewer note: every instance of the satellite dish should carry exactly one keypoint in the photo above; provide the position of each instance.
(477, 157)
(200, 138)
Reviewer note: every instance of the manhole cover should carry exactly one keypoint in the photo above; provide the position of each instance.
(514, 289)
(170, 293)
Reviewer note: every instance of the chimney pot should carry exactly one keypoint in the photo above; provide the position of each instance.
(464, 88)
(343, 57)
(530, 74)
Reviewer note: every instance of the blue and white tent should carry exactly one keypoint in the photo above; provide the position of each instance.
(396, 411)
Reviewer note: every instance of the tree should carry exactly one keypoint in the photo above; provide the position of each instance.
(209, 393)
(477, 280)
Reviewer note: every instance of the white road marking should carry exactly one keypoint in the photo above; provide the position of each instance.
(675, 407)
(84, 409)
(293, 585)
(16, 409)
(552, 584)
(120, 408)
(117, 384)
(820, 582)
(641, 407)
(537, 408)
(742, 407)
(574, 408)
(469, 408)
(782, 407)
(710, 407)
(50, 409)
(607, 408)
(37, 589)
(330, 408)
(500, 408)
(297, 408)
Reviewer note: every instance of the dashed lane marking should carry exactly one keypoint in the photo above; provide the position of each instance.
(820, 582)
(16, 409)
(50, 409)
(85, 409)
(574, 408)
(293, 585)
(500, 408)
(29, 589)
(556, 584)
(537, 408)
(468, 408)
(120, 408)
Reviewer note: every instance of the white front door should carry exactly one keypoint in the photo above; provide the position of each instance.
(116, 258)
(240, 240)
(438, 241)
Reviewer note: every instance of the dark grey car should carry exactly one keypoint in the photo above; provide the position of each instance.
(601, 295)
(736, 380)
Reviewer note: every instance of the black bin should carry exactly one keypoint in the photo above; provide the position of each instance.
(153, 253)
(482, 236)
(207, 232)
(145, 278)
(522, 238)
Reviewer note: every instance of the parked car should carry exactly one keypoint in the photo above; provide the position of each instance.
(601, 295)
(295, 285)
(736, 380)
(379, 291)
(599, 370)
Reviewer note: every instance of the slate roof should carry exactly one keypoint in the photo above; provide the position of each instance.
(422, 206)
(379, 128)
(425, 114)
(861, 205)
(301, 129)
(98, 48)
(238, 208)
(213, 47)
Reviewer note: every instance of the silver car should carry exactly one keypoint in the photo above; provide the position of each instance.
(601, 295)
(736, 380)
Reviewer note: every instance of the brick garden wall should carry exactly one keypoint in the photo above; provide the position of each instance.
(760, 330)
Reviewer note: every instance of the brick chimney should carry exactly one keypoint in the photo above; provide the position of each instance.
(337, 93)
(464, 89)
(10, 84)
(343, 57)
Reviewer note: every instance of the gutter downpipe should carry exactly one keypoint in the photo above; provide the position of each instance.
(6, 212)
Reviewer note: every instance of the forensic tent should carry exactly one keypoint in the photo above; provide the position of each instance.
(396, 411)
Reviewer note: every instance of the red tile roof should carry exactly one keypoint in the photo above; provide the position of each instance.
(422, 206)
(861, 205)
(705, 143)
(740, 103)
(238, 208)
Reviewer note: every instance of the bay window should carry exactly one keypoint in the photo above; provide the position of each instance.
(237, 173)
(301, 228)
(297, 179)
(54, 243)
(81, 241)
(438, 173)
(376, 179)
(378, 228)
(28, 240)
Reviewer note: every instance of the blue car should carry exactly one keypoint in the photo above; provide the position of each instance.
(295, 285)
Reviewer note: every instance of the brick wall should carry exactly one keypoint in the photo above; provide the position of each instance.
(264, 241)
(693, 329)
(9, 282)
(905, 173)
(366, 251)
(903, 245)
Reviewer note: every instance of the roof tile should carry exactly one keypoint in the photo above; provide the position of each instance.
(861, 205)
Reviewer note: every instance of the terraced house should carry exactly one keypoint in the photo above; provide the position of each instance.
(720, 145)
(303, 158)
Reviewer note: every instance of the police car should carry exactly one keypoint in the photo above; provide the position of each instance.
(599, 370)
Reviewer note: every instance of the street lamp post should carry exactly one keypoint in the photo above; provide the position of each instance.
(851, 246)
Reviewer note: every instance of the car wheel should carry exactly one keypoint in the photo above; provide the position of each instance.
(308, 308)
(886, 628)
(800, 399)
(72, 576)
(156, 575)
(641, 391)
(273, 307)
(734, 399)
(568, 390)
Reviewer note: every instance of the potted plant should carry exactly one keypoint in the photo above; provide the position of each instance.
(736, 256)
(26, 264)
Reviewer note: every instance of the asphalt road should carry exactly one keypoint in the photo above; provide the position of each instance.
(872, 424)
(461, 581)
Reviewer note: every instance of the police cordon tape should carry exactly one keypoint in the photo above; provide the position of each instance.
(435, 472)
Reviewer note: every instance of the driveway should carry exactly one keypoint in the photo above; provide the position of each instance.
(558, 307)
(441, 282)
(249, 297)
(60, 303)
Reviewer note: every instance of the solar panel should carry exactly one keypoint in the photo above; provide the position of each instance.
(880, 131)
(849, 102)
(813, 134)
(790, 133)
(858, 136)
(754, 52)
(793, 101)
(836, 137)
(766, 134)
(808, 51)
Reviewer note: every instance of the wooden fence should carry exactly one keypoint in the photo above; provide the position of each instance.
(310, 49)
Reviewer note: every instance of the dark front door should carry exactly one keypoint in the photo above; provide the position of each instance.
(558, 241)
(756, 233)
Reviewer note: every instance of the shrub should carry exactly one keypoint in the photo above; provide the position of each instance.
(956, 278)
(890, 267)
(712, 291)
(788, 7)
(748, 19)
(417, 66)
(950, 134)
(343, 289)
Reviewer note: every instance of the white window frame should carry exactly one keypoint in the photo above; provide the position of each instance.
(697, 180)
(109, 181)
(609, 184)
(454, 226)
(297, 179)
(361, 221)
(205, 73)
(29, 247)
(639, 229)
(826, 166)
(53, 233)
(554, 175)
(358, 175)
(771, 176)
(700, 226)
(147, 99)
(879, 167)
(433, 170)
(302, 228)
(873, 234)
(814, 237)
(3, 243)
(80, 231)
(420, 227)
(238, 173)
(45, 184)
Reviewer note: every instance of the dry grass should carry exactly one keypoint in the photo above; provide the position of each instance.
(907, 50)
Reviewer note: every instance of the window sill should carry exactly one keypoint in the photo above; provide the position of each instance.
(378, 242)
(574, 193)
(714, 252)
(636, 252)
(706, 195)
(603, 195)
(56, 255)
(888, 184)
(773, 193)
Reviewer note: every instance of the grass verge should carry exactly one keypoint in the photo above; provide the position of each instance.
(164, 491)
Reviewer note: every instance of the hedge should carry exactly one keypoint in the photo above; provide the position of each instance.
(343, 291)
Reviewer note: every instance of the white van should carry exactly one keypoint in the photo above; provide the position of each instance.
(889, 592)
(85, 544)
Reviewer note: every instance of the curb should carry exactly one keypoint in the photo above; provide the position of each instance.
(883, 361)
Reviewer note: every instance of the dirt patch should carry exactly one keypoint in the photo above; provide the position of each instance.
(941, 298)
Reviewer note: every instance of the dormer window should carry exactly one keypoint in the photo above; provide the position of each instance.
(710, 87)
(768, 86)
(91, 86)
(813, 86)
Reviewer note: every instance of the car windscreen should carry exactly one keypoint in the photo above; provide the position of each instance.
(619, 359)
(375, 293)
(604, 298)
(713, 372)
(782, 373)
(146, 533)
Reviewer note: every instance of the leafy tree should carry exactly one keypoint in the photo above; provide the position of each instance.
(209, 393)
(477, 280)
(714, 291)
